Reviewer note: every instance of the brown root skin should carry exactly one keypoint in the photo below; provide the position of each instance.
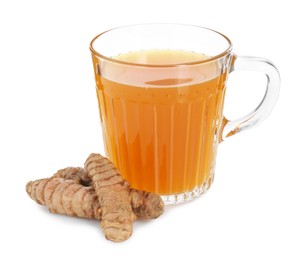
(65, 199)
(148, 205)
(74, 173)
(70, 192)
(113, 196)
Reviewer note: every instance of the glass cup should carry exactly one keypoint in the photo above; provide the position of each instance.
(160, 90)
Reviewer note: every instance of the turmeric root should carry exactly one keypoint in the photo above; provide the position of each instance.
(113, 195)
(145, 205)
(66, 197)
(98, 192)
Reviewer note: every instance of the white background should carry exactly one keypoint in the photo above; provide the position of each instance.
(256, 208)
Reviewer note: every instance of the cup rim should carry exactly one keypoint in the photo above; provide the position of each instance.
(202, 61)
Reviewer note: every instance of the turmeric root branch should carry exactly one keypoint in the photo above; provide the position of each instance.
(63, 197)
(145, 205)
(113, 196)
(98, 192)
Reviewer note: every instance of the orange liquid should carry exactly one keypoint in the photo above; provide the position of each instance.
(161, 125)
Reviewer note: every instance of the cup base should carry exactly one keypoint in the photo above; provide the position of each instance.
(185, 196)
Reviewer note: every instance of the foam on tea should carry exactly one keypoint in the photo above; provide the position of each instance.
(161, 57)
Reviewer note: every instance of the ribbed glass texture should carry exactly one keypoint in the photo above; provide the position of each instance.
(162, 134)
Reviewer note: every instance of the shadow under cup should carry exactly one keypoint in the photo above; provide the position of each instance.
(162, 123)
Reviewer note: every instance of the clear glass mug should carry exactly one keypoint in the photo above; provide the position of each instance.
(160, 90)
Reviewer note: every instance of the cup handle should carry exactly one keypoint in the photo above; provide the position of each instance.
(265, 107)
